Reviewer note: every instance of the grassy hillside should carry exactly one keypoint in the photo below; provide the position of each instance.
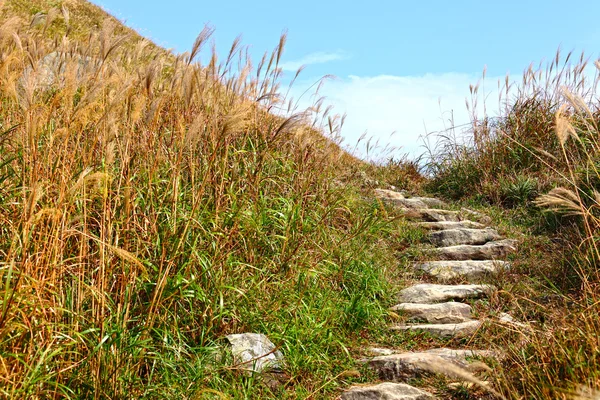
(149, 206)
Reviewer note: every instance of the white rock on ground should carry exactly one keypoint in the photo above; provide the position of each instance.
(441, 225)
(488, 251)
(431, 293)
(461, 354)
(254, 352)
(385, 194)
(430, 214)
(442, 331)
(441, 313)
(467, 269)
(386, 391)
(398, 367)
(454, 237)
(378, 351)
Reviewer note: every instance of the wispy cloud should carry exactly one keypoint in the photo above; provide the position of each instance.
(320, 57)
(397, 111)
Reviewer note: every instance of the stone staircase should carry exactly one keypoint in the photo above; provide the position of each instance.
(465, 248)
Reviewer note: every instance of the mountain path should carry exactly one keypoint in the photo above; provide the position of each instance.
(465, 248)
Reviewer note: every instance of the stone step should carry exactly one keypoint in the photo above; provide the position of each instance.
(441, 313)
(404, 200)
(386, 391)
(432, 293)
(430, 214)
(442, 225)
(399, 367)
(489, 251)
(473, 271)
(443, 331)
(459, 236)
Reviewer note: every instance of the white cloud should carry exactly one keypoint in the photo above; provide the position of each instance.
(408, 106)
(321, 57)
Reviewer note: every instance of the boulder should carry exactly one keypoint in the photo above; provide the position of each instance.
(441, 313)
(432, 293)
(458, 236)
(254, 352)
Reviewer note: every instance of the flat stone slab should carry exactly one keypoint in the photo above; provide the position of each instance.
(386, 391)
(254, 352)
(442, 331)
(459, 236)
(467, 269)
(379, 351)
(461, 354)
(431, 293)
(489, 251)
(399, 367)
(430, 214)
(391, 195)
(441, 225)
(441, 313)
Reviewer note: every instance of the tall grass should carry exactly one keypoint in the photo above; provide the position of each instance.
(540, 153)
(150, 205)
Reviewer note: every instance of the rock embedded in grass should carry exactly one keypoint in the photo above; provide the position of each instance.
(443, 331)
(471, 270)
(489, 251)
(441, 313)
(430, 214)
(254, 352)
(386, 391)
(432, 293)
(442, 225)
(460, 236)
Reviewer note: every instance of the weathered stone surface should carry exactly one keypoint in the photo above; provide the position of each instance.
(443, 331)
(385, 194)
(441, 225)
(488, 251)
(398, 367)
(431, 202)
(454, 237)
(461, 354)
(254, 352)
(386, 391)
(52, 69)
(441, 313)
(431, 293)
(430, 214)
(467, 269)
(378, 351)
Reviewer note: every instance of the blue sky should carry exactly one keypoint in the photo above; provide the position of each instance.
(401, 66)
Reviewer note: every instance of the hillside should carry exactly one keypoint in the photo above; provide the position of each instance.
(150, 207)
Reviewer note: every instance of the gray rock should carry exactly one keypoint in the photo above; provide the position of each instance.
(488, 251)
(391, 195)
(468, 269)
(432, 293)
(254, 352)
(399, 367)
(51, 69)
(454, 237)
(431, 202)
(386, 391)
(430, 214)
(442, 313)
(443, 331)
(450, 225)
(461, 355)
(377, 351)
